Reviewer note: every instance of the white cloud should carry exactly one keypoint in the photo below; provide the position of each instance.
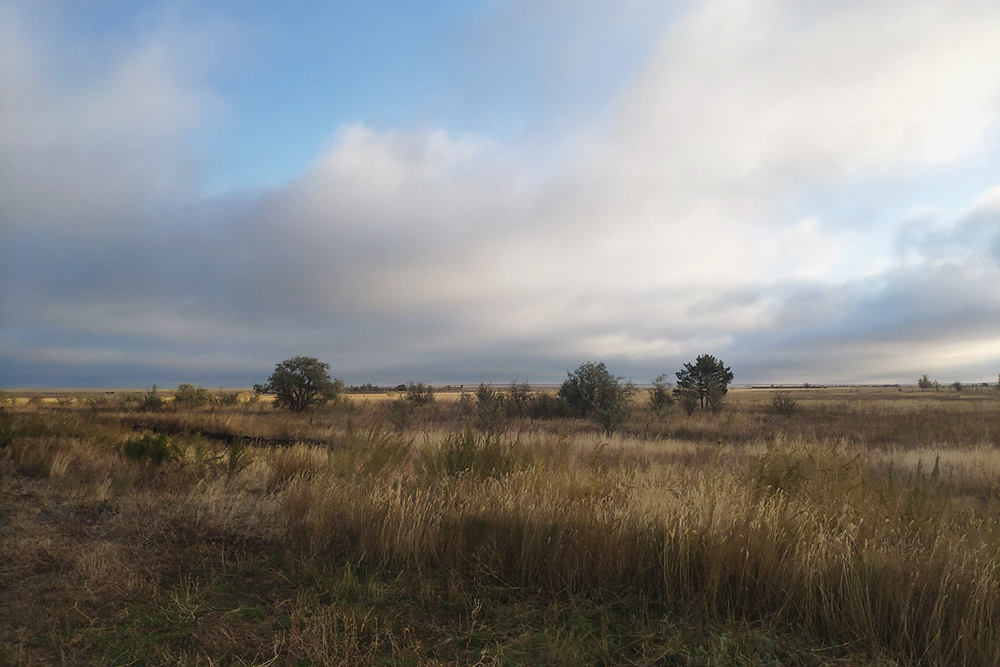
(98, 150)
(673, 229)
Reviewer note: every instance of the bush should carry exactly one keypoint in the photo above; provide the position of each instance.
(400, 414)
(591, 391)
(151, 401)
(127, 401)
(688, 399)
(491, 410)
(228, 399)
(419, 394)
(466, 404)
(548, 406)
(517, 398)
(98, 402)
(660, 398)
(783, 404)
(187, 395)
(152, 448)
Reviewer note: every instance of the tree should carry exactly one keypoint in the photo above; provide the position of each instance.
(924, 382)
(957, 386)
(591, 391)
(299, 383)
(660, 399)
(708, 378)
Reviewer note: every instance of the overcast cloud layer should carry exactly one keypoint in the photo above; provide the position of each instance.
(810, 190)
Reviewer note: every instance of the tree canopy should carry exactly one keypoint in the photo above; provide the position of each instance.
(300, 382)
(707, 378)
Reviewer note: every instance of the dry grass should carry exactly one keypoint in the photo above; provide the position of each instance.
(795, 541)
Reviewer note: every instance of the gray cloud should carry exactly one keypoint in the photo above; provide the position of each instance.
(423, 255)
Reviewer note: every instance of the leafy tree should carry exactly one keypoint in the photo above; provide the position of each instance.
(299, 383)
(924, 382)
(660, 399)
(707, 378)
(591, 391)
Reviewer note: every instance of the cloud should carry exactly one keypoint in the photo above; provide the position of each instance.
(88, 145)
(675, 226)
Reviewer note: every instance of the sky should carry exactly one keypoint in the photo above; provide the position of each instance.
(457, 192)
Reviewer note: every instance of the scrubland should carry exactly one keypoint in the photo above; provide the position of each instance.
(863, 529)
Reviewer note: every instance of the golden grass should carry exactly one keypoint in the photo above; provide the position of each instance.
(893, 550)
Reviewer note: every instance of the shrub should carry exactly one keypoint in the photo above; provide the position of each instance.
(299, 383)
(466, 404)
(491, 410)
(187, 395)
(660, 398)
(957, 386)
(228, 399)
(591, 391)
(548, 406)
(151, 401)
(98, 402)
(517, 398)
(688, 399)
(149, 447)
(400, 414)
(419, 394)
(127, 400)
(783, 404)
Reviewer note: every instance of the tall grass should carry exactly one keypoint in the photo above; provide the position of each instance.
(895, 549)
(806, 538)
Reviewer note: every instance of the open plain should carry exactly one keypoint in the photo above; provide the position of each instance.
(862, 527)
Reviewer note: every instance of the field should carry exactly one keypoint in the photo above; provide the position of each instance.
(862, 528)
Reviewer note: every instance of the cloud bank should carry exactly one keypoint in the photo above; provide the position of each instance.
(702, 210)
